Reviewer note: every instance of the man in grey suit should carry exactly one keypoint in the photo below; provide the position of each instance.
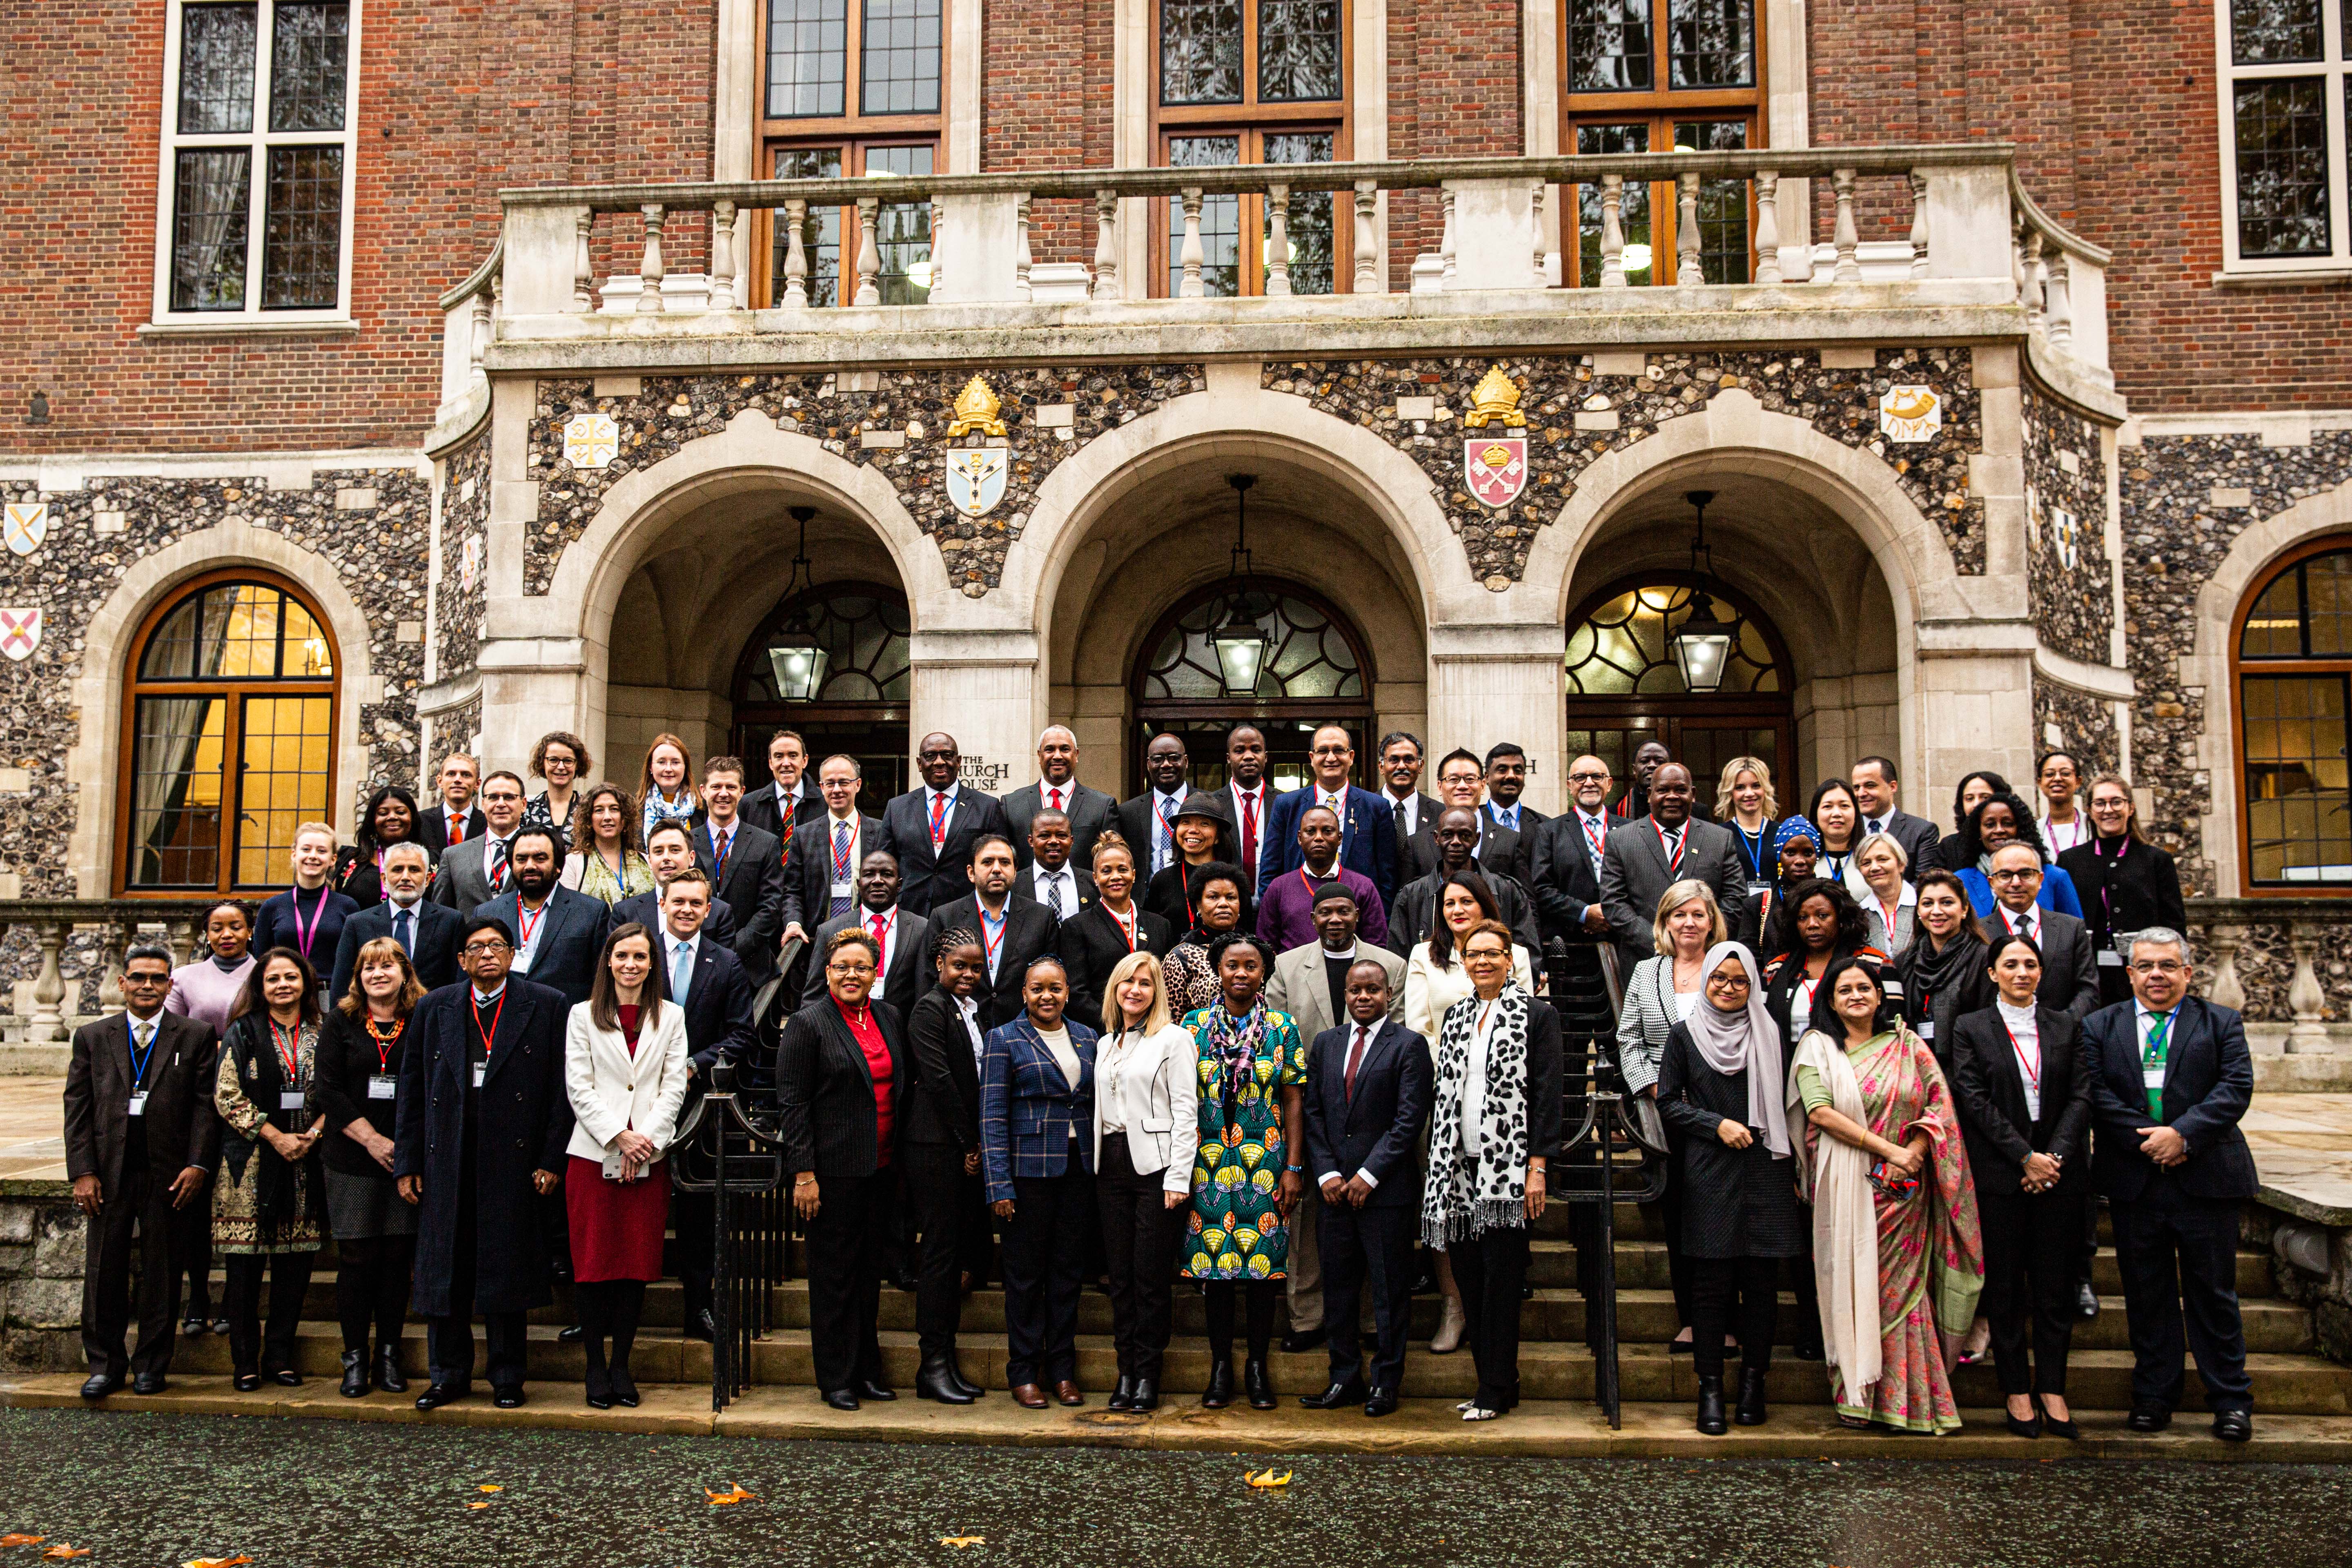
(1310, 984)
(1874, 783)
(474, 871)
(1057, 789)
(1647, 856)
(2070, 975)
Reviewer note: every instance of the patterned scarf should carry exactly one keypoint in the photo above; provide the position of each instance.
(1463, 1198)
(1234, 1044)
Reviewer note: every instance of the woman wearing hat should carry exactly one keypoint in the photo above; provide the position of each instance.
(1204, 837)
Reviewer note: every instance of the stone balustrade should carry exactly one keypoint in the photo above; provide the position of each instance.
(1974, 238)
(119, 924)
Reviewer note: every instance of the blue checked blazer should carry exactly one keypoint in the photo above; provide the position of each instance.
(1028, 1111)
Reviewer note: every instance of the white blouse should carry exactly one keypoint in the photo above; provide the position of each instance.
(1429, 991)
(2025, 1039)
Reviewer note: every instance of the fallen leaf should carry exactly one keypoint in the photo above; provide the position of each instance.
(734, 1494)
(65, 1549)
(217, 1562)
(1270, 1479)
(490, 1489)
(471, 1506)
(17, 1539)
(960, 1541)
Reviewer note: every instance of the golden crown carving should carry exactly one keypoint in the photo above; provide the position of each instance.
(1495, 399)
(975, 409)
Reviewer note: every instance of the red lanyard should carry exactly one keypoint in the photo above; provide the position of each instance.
(1592, 834)
(1126, 923)
(490, 1035)
(1888, 913)
(383, 1045)
(303, 937)
(529, 926)
(2032, 1069)
(1674, 861)
(1161, 809)
(292, 1059)
(1310, 884)
(842, 843)
(991, 948)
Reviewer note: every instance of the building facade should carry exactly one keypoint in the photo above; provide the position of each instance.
(383, 381)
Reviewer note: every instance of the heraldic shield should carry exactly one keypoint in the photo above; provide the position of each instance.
(975, 478)
(1496, 467)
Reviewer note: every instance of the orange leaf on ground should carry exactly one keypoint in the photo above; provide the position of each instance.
(13, 1539)
(960, 1541)
(1270, 1479)
(218, 1562)
(734, 1494)
(64, 1549)
(490, 1489)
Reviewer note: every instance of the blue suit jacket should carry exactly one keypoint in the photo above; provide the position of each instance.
(570, 943)
(1028, 1111)
(2209, 1077)
(1368, 845)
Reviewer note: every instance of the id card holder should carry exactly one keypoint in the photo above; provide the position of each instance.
(291, 1100)
(139, 1103)
(1756, 890)
(521, 964)
(381, 1086)
(480, 1068)
(2110, 959)
(1926, 1030)
(843, 890)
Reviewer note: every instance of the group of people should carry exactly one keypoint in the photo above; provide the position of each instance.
(1290, 1048)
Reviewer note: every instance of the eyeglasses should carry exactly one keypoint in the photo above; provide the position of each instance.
(484, 949)
(2159, 966)
(2026, 874)
(1471, 952)
(1728, 982)
(849, 966)
(1588, 778)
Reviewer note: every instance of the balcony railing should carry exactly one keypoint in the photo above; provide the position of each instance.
(1949, 225)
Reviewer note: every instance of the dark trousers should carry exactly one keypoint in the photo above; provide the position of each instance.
(1670, 1213)
(940, 1196)
(1138, 1237)
(252, 1346)
(449, 1338)
(191, 1252)
(691, 1216)
(372, 1286)
(142, 1203)
(1728, 1291)
(1368, 1247)
(848, 1243)
(1490, 1269)
(1044, 1258)
(2031, 1247)
(2179, 1259)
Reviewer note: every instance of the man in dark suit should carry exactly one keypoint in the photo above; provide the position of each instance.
(1057, 789)
(482, 1127)
(670, 851)
(2172, 1078)
(932, 828)
(905, 971)
(1507, 780)
(704, 978)
(1148, 821)
(1645, 857)
(746, 866)
(1401, 765)
(1048, 878)
(1369, 1087)
(942, 1145)
(1367, 831)
(2070, 975)
(453, 817)
(822, 861)
(138, 1129)
(559, 934)
(426, 929)
(1498, 849)
(785, 801)
(1013, 934)
(1564, 861)
(474, 871)
(1416, 913)
(1246, 797)
(1874, 783)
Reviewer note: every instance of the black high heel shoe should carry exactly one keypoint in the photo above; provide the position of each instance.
(625, 1388)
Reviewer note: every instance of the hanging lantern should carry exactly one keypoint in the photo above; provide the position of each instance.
(1242, 641)
(1702, 646)
(795, 658)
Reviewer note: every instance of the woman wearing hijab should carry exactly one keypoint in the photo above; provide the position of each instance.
(1898, 1259)
(1220, 908)
(1720, 1086)
(1943, 970)
(2005, 819)
(1974, 787)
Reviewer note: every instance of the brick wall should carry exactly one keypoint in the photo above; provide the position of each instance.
(1045, 90)
(1454, 92)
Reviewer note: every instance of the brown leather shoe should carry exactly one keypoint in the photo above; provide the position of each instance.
(1029, 1397)
(1067, 1392)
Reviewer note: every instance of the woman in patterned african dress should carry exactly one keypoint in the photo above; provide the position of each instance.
(1247, 1177)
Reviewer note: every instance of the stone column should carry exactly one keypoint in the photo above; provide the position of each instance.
(985, 688)
(1490, 683)
(1968, 708)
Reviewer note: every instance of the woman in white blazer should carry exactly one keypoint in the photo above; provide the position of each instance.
(625, 1073)
(1147, 1133)
(1433, 977)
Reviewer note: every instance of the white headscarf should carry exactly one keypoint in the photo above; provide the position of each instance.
(1731, 1042)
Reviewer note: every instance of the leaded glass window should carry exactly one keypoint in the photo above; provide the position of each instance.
(1625, 647)
(1201, 51)
(1297, 50)
(2285, 122)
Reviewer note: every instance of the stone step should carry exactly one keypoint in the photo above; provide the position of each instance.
(1537, 1428)
(2097, 1379)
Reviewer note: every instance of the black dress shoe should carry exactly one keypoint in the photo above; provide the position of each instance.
(2233, 1425)
(220, 1327)
(508, 1398)
(1809, 1350)
(1679, 1347)
(194, 1327)
(1380, 1402)
(355, 1376)
(904, 1279)
(625, 1387)
(2031, 1427)
(1750, 1410)
(1123, 1396)
(571, 1334)
(701, 1326)
(387, 1370)
(438, 1394)
(1146, 1395)
(1351, 1390)
(932, 1382)
(147, 1382)
(99, 1384)
(1258, 1386)
(1220, 1392)
(1293, 1344)
(286, 1377)
(2086, 1301)
(841, 1398)
(2148, 1418)
(874, 1388)
(246, 1381)
(1710, 1407)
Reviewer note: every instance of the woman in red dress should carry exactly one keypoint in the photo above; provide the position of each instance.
(625, 1072)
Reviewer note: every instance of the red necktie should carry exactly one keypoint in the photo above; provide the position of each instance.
(1056, 800)
(881, 929)
(1249, 831)
(1355, 1061)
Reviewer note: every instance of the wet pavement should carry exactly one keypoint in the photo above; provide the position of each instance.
(152, 1490)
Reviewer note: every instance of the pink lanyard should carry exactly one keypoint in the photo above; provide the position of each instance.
(303, 935)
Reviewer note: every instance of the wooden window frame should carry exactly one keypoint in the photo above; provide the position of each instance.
(1252, 121)
(2334, 70)
(2240, 667)
(1661, 107)
(234, 693)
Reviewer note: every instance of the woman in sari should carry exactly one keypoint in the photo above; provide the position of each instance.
(1897, 1254)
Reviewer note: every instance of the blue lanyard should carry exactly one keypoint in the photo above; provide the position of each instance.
(1753, 848)
(139, 1058)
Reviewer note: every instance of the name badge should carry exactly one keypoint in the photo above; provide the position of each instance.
(379, 1087)
(291, 1100)
(2110, 959)
(139, 1104)
(1926, 1030)
(877, 992)
(479, 1068)
(521, 964)
(1755, 888)
(843, 890)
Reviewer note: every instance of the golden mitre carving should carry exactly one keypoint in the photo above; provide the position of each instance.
(1495, 399)
(975, 409)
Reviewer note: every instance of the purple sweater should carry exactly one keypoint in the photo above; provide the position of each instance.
(1285, 916)
(206, 992)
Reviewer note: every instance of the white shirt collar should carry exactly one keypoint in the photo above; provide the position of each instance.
(1349, 952)
(948, 793)
(482, 1001)
(1175, 797)
(2014, 1016)
(691, 943)
(967, 1005)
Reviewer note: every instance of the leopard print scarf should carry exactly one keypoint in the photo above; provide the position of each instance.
(1465, 1197)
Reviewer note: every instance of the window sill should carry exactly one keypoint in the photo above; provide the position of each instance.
(248, 327)
(2312, 277)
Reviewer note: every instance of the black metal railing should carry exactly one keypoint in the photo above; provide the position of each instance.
(723, 1150)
